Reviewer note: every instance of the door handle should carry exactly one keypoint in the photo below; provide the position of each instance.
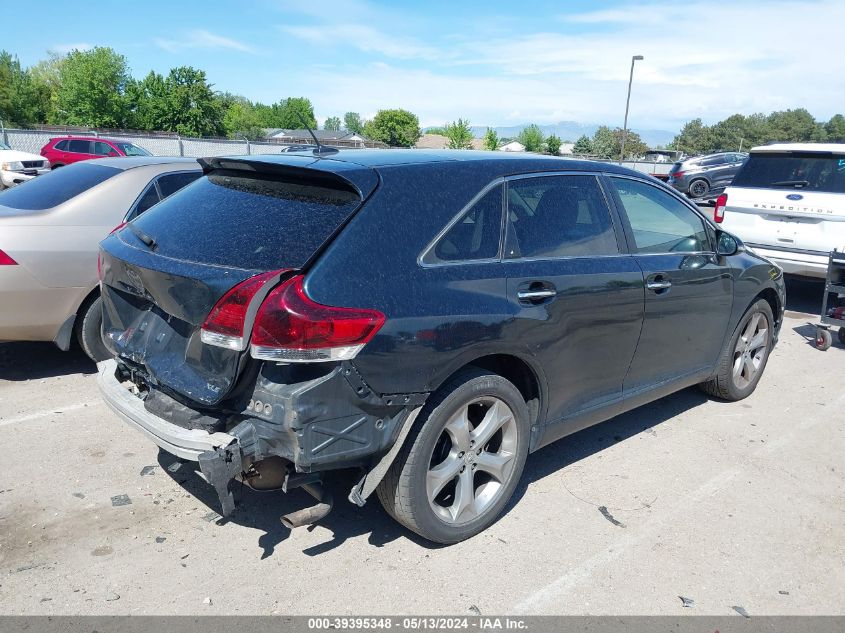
(534, 295)
(658, 283)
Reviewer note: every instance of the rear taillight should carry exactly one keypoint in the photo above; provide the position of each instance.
(719, 209)
(224, 326)
(5, 260)
(292, 328)
(677, 174)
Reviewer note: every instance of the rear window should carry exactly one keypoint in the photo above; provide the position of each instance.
(59, 186)
(812, 172)
(252, 222)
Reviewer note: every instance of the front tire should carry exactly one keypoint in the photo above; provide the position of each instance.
(89, 323)
(744, 356)
(462, 462)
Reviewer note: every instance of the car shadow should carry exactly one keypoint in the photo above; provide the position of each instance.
(29, 361)
(804, 297)
(263, 510)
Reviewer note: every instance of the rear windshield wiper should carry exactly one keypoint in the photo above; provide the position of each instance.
(791, 183)
(146, 239)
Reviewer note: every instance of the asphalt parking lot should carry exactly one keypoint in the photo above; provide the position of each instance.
(726, 505)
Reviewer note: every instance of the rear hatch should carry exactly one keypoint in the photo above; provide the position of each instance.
(162, 274)
(789, 200)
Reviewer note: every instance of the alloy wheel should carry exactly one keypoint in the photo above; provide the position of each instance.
(472, 461)
(750, 351)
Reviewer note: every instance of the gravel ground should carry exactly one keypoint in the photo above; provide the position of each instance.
(722, 504)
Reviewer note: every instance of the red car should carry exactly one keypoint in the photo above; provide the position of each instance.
(70, 149)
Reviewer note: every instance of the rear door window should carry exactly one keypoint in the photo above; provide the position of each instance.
(559, 216)
(806, 171)
(61, 146)
(476, 234)
(79, 147)
(147, 199)
(59, 186)
(660, 222)
(171, 183)
(250, 221)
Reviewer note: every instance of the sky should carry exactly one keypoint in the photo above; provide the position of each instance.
(495, 63)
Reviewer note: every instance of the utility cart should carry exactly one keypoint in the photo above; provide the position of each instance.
(833, 314)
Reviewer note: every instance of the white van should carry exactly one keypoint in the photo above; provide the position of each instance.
(788, 204)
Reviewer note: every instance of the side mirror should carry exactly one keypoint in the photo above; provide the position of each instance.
(726, 244)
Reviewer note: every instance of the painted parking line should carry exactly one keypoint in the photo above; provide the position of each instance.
(54, 411)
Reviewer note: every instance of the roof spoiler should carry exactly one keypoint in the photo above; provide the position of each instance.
(316, 177)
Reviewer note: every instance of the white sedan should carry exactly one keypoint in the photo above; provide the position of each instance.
(17, 167)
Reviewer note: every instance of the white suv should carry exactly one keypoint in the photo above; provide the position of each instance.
(788, 204)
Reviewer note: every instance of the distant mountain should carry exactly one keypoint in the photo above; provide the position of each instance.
(571, 130)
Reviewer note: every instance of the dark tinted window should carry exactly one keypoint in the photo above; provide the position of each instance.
(148, 199)
(171, 183)
(61, 145)
(475, 236)
(712, 161)
(813, 172)
(56, 187)
(560, 216)
(79, 147)
(102, 149)
(660, 222)
(252, 222)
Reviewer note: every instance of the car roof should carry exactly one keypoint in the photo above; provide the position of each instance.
(834, 148)
(511, 162)
(130, 162)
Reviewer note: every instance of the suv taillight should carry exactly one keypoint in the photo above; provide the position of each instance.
(719, 209)
(292, 328)
(677, 174)
(224, 325)
(5, 260)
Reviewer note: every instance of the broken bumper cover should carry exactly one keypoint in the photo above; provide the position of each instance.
(185, 443)
(218, 454)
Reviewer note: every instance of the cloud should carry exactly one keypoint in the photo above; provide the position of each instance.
(64, 49)
(703, 58)
(199, 38)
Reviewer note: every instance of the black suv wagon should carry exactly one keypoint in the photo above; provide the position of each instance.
(428, 318)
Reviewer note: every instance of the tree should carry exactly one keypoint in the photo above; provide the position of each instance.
(182, 102)
(294, 113)
(241, 120)
(352, 121)
(583, 146)
(604, 143)
(794, 126)
(835, 129)
(694, 138)
(332, 123)
(491, 139)
(19, 100)
(92, 89)
(532, 138)
(46, 79)
(394, 127)
(553, 145)
(441, 130)
(459, 134)
(634, 145)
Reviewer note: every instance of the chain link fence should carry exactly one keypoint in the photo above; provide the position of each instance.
(164, 145)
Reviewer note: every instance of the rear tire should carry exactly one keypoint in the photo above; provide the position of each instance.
(698, 188)
(824, 339)
(88, 327)
(841, 335)
(462, 461)
(744, 356)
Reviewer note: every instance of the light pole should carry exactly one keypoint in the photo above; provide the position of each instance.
(634, 59)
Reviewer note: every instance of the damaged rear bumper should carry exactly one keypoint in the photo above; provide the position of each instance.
(185, 443)
(325, 422)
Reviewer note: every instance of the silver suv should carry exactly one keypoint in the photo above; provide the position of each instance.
(697, 176)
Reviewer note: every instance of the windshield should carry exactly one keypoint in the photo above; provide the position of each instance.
(811, 172)
(132, 150)
(59, 186)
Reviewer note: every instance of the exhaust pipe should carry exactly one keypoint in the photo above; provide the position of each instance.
(306, 516)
